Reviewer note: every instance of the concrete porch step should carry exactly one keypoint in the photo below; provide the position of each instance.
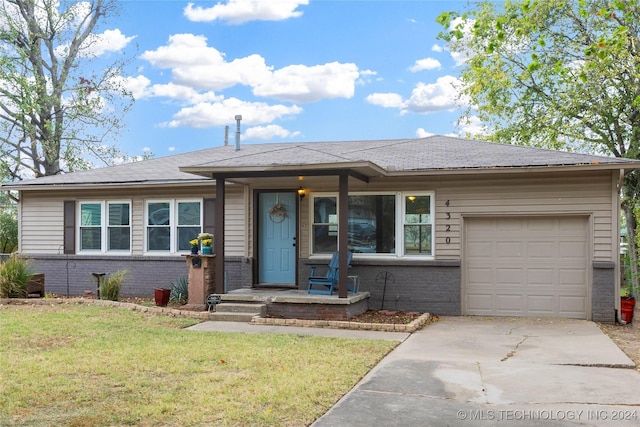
(238, 311)
(231, 317)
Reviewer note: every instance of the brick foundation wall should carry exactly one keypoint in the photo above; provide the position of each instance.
(603, 292)
(316, 311)
(72, 275)
(428, 287)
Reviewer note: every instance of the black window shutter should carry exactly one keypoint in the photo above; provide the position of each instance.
(209, 216)
(69, 227)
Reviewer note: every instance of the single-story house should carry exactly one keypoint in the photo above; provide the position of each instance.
(439, 224)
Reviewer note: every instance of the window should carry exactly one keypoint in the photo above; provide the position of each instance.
(100, 235)
(374, 223)
(170, 225)
(371, 223)
(417, 225)
(325, 225)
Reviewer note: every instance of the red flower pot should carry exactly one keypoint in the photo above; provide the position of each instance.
(627, 306)
(162, 296)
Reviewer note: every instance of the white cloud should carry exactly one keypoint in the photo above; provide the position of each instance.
(171, 149)
(421, 133)
(437, 48)
(425, 98)
(301, 83)
(241, 11)
(438, 96)
(109, 41)
(136, 85)
(197, 65)
(206, 114)
(269, 132)
(472, 127)
(425, 64)
(387, 100)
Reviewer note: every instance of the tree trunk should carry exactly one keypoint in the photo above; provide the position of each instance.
(631, 241)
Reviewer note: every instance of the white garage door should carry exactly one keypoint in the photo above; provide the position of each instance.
(526, 267)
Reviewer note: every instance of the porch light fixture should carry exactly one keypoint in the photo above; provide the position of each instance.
(412, 198)
(302, 192)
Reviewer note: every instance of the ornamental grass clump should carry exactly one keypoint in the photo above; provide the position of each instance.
(15, 273)
(111, 285)
(180, 290)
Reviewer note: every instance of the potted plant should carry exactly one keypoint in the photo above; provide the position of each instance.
(627, 304)
(195, 245)
(207, 241)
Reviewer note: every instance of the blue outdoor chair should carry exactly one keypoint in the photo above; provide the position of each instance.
(327, 283)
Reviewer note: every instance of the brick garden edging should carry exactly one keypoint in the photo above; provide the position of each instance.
(205, 315)
(340, 324)
(201, 315)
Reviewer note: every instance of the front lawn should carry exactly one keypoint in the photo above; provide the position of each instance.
(83, 365)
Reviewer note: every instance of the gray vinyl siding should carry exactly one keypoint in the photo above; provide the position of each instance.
(508, 194)
(41, 216)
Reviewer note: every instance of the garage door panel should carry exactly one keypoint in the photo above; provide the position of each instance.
(479, 250)
(508, 249)
(572, 305)
(480, 302)
(538, 305)
(481, 276)
(541, 276)
(572, 277)
(509, 302)
(508, 276)
(517, 266)
(572, 250)
(541, 251)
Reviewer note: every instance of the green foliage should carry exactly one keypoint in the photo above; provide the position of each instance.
(180, 290)
(59, 103)
(15, 273)
(555, 74)
(111, 285)
(8, 231)
(552, 74)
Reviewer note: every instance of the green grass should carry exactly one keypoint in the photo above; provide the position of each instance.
(79, 365)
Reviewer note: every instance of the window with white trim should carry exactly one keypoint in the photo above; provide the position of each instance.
(417, 225)
(104, 226)
(171, 224)
(399, 224)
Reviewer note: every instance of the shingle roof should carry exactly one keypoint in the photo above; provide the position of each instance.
(435, 153)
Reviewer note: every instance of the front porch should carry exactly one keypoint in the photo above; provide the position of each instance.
(289, 303)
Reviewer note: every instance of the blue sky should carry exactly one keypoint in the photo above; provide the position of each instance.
(296, 70)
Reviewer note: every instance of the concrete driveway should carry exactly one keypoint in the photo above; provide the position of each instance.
(463, 371)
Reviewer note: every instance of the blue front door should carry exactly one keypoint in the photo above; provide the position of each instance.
(277, 238)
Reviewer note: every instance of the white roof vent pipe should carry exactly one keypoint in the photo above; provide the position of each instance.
(238, 118)
(226, 135)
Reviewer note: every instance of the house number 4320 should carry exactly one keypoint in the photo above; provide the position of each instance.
(447, 227)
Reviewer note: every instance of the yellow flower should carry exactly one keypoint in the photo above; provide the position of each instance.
(194, 242)
(206, 242)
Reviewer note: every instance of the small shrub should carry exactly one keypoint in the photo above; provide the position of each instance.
(112, 284)
(15, 273)
(180, 290)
